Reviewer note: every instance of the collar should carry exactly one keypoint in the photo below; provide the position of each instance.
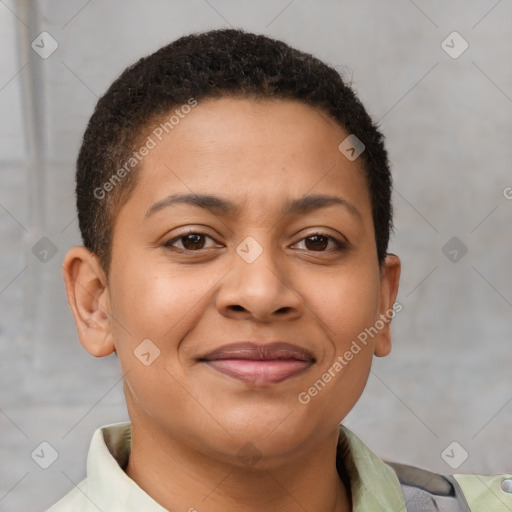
(374, 485)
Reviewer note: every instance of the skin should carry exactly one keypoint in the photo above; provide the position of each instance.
(189, 422)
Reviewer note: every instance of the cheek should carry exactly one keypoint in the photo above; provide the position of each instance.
(152, 311)
(152, 301)
(349, 304)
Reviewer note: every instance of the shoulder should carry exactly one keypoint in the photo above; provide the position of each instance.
(487, 493)
(424, 490)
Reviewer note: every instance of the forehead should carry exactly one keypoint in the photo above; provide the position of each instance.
(252, 151)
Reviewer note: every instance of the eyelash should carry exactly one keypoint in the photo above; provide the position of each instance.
(339, 245)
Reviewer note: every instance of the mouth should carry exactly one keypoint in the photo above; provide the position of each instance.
(257, 364)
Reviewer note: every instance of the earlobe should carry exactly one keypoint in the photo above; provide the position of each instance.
(389, 281)
(88, 298)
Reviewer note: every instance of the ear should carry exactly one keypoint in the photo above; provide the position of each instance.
(389, 279)
(88, 296)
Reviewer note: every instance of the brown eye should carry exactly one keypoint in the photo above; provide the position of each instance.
(188, 242)
(319, 242)
(193, 241)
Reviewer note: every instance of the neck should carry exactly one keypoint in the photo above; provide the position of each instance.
(179, 477)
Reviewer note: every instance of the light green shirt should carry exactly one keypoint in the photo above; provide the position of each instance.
(374, 485)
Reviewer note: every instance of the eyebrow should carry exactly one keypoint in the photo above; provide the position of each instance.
(219, 205)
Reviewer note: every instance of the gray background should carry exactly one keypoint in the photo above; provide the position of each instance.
(448, 127)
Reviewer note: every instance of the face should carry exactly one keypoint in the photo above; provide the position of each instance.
(247, 298)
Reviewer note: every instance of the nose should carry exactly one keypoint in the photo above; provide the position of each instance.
(262, 290)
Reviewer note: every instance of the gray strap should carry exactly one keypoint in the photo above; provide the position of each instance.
(425, 491)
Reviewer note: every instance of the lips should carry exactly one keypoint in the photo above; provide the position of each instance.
(259, 364)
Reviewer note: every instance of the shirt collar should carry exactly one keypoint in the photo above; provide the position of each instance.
(374, 485)
(109, 487)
